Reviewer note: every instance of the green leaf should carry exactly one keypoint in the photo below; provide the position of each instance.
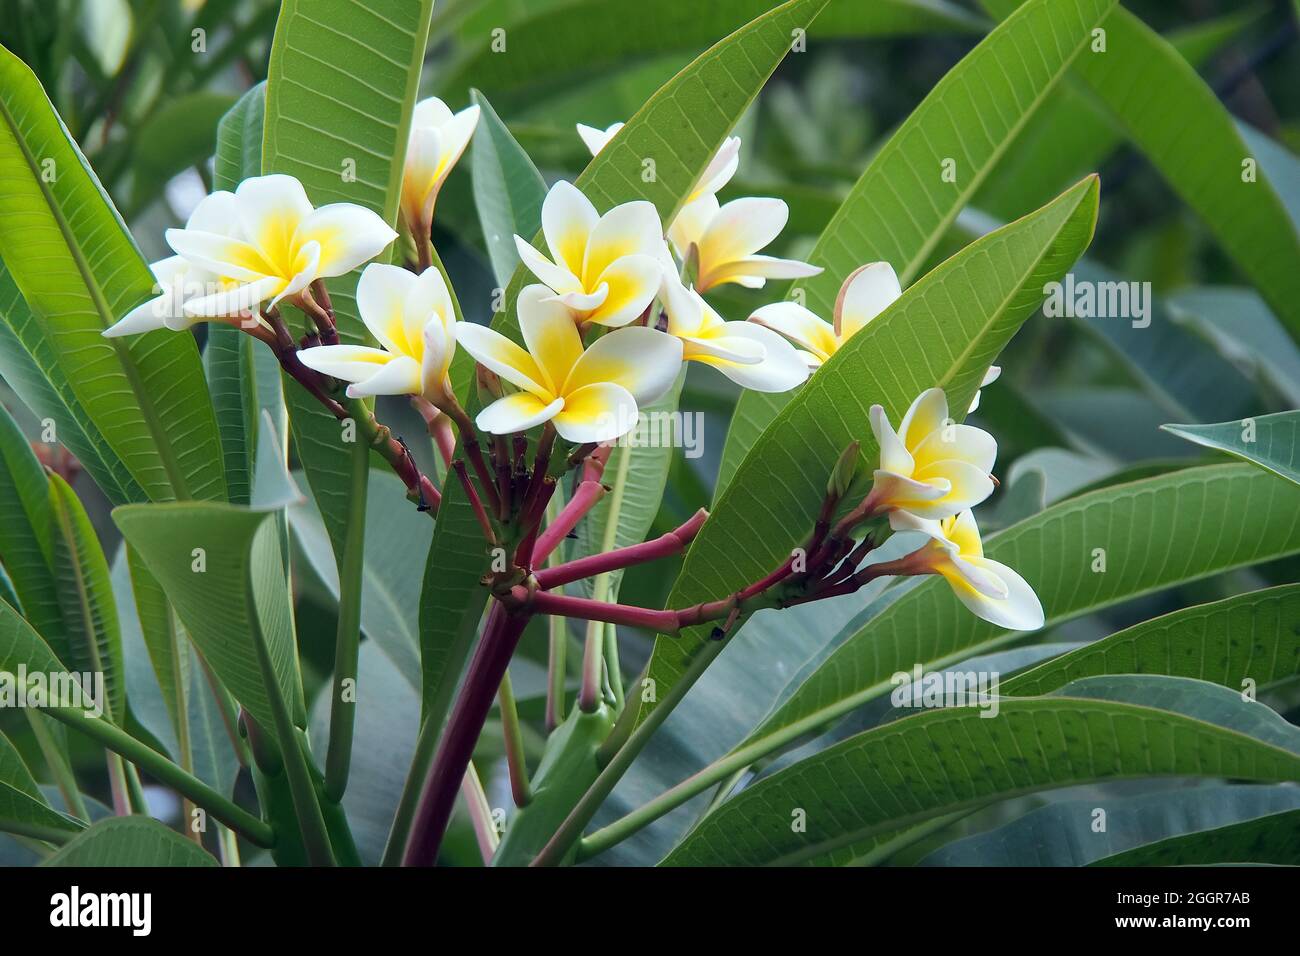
(1062, 833)
(14, 773)
(917, 343)
(341, 84)
(1152, 534)
(1271, 839)
(952, 759)
(28, 365)
(1253, 636)
(130, 841)
(79, 271)
(563, 41)
(970, 118)
(26, 530)
(229, 354)
(1269, 441)
(508, 190)
(221, 567)
(26, 815)
(92, 640)
(1170, 114)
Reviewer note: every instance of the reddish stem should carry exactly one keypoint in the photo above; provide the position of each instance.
(574, 510)
(475, 502)
(482, 681)
(673, 542)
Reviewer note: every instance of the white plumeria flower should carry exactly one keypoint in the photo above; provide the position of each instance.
(275, 244)
(751, 356)
(438, 138)
(717, 174)
(605, 268)
(413, 320)
(590, 396)
(931, 467)
(867, 292)
(178, 279)
(990, 377)
(725, 241)
(991, 590)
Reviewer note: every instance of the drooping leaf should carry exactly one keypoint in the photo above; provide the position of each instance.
(1270, 441)
(1170, 113)
(950, 759)
(91, 640)
(221, 568)
(27, 531)
(508, 190)
(1150, 534)
(130, 841)
(917, 343)
(79, 272)
(1269, 839)
(25, 815)
(1253, 636)
(904, 202)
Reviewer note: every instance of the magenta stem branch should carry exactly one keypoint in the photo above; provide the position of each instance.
(666, 545)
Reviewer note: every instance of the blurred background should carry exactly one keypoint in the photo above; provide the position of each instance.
(141, 85)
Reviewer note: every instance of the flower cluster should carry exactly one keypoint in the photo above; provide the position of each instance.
(617, 309)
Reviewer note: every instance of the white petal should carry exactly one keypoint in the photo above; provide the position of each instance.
(428, 298)
(721, 167)
(799, 325)
(349, 363)
(928, 411)
(628, 229)
(401, 376)
(1020, 610)
(218, 212)
(780, 370)
(691, 223)
(219, 254)
(894, 456)
(456, 134)
(270, 209)
(431, 113)
(554, 276)
(144, 317)
(643, 361)
(865, 294)
(348, 235)
(599, 412)
(596, 139)
(308, 266)
(381, 301)
(632, 283)
(439, 350)
(568, 217)
(241, 298)
(684, 307)
(962, 442)
(967, 485)
(741, 228)
(582, 304)
(498, 354)
(516, 413)
(752, 272)
(992, 375)
(550, 334)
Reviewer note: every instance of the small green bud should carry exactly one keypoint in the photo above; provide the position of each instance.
(845, 471)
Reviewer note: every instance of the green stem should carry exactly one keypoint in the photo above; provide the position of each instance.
(557, 636)
(571, 830)
(595, 658)
(513, 732)
(60, 769)
(162, 769)
(343, 705)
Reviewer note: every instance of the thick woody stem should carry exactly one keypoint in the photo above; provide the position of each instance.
(482, 681)
(666, 545)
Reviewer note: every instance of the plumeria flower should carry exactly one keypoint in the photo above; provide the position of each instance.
(178, 279)
(931, 467)
(990, 377)
(723, 241)
(590, 396)
(271, 243)
(992, 591)
(717, 174)
(751, 356)
(863, 296)
(605, 268)
(413, 320)
(438, 138)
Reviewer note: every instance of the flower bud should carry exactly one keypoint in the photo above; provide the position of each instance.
(844, 472)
